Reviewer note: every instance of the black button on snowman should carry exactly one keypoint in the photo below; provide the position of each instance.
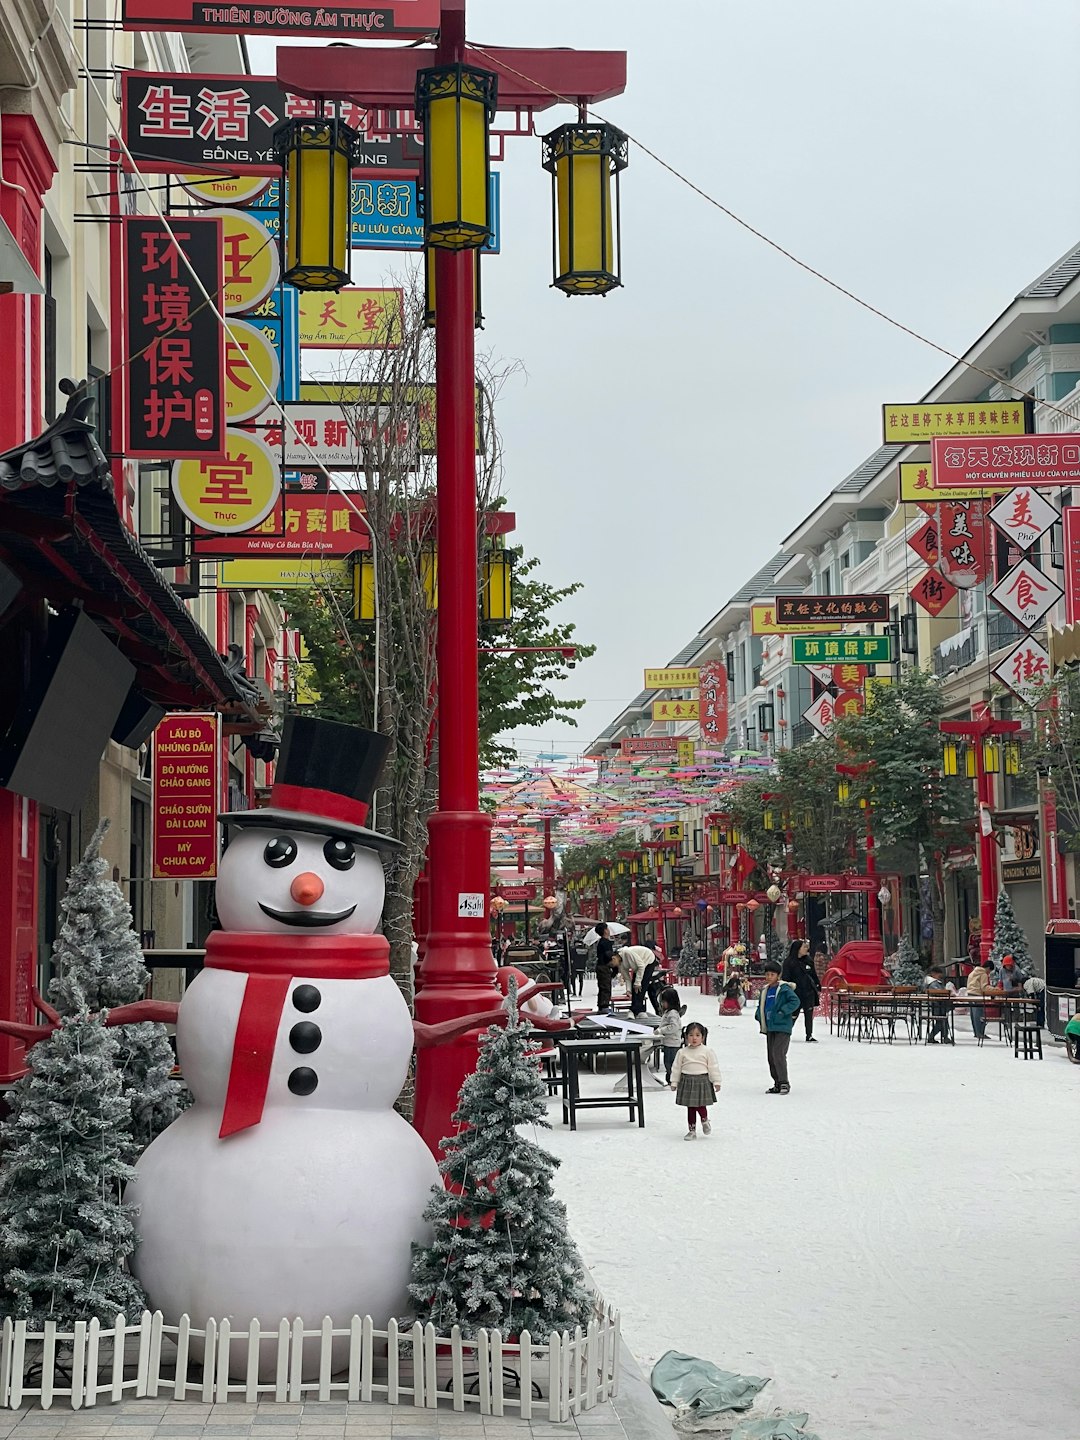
(291, 1186)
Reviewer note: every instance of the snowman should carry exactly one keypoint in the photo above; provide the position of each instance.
(291, 1187)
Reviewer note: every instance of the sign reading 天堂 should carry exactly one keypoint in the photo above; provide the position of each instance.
(917, 424)
(351, 319)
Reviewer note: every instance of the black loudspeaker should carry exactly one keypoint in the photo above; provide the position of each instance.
(10, 585)
(137, 721)
(78, 684)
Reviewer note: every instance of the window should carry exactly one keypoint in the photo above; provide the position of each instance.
(163, 528)
(49, 339)
(138, 871)
(845, 560)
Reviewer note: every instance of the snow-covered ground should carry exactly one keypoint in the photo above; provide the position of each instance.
(895, 1242)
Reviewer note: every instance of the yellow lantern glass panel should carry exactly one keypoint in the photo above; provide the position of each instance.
(364, 588)
(429, 290)
(583, 161)
(429, 576)
(456, 104)
(316, 157)
(496, 586)
(950, 758)
(971, 761)
(991, 757)
(1012, 757)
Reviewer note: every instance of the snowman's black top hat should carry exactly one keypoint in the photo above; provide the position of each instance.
(324, 779)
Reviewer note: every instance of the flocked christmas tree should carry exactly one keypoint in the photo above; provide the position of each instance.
(690, 963)
(64, 1234)
(99, 963)
(501, 1257)
(904, 966)
(1009, 939)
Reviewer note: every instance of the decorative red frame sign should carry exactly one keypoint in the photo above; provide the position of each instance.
(384, 21)
(185, 808)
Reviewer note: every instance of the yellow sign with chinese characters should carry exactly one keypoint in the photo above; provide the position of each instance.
(873, 684)
(225, 189)
(674, 709)
(685, 752)
(351, 320)
(675, 831)
(251, 268)
(763, 622)
(916, 424)
(251, 370)
(673, 679)
(231, 494)
(282, 574)
(917, 484)
(315, 392)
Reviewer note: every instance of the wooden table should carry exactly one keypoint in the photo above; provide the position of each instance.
(572, 1051)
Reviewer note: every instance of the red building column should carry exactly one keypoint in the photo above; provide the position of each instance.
(25, 162)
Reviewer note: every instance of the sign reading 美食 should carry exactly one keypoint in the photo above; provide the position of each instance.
(185, 791)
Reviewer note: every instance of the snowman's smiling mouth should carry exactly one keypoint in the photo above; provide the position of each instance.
(307, 918)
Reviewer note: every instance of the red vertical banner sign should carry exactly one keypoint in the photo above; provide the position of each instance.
(713, 703)
(1053, 870)
(1071, 526)
(174, 388)
(185, 798)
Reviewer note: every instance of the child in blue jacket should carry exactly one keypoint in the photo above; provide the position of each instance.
(778, 1004)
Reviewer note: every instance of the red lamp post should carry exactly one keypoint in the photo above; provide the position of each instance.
(977, 732)
(873, 912)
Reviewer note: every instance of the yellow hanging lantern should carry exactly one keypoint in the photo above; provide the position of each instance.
(496, 585)
(429, 290)
(316, 157)
(455, 104)
(583, 161)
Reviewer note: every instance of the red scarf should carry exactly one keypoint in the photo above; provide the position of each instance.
(271, 962)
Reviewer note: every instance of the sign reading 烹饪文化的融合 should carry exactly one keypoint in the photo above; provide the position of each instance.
(185, 798)
(337, 19)
(174, 347)
(763, 622)
(835, 649)
(183, 124)
(835, 609)
(917, 485)
(673, 678)
(674, 709)
(1007, 460)
(918, 424)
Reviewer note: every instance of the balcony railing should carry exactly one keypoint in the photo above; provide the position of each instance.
(995, 630)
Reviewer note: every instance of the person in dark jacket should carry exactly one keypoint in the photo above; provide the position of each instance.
(799, 971)
(605, 970)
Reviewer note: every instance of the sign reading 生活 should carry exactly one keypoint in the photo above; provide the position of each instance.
(674, 709)
(917, 485)
(713, 703)
(182, 123)
(836, 609)
(917, 424)
(174, 347)
(185, 790)
(856, 649)
(1009, 460)
(672, 679)
(337, 18)
(763, 622)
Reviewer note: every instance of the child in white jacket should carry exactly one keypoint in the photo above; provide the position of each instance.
(695, 1078)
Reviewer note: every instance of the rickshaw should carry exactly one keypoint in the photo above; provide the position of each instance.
(1062, 970)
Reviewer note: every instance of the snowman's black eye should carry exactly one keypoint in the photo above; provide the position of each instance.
(340, 854)
(280, 852)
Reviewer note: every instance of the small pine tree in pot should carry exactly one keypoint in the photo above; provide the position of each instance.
(1009, 939)
(904, 966)
(501, 1256)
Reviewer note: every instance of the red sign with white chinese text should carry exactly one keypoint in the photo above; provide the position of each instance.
(299, 525)
(650, 745)
(192, 123)
(933, 592)
(965, 540)
(1071, 530)
(1053, 870)
(1006, 460)
(331, 18)
(185, 809)
(713, 702)
(817, 884)
(174, 347)
(518, 892)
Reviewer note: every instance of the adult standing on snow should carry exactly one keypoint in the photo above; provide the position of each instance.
(605, 955)
(778, 1004)
(799, 971)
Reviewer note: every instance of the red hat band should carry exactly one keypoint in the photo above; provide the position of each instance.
(307, 801)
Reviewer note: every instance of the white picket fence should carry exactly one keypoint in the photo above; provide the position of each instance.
(406, 1365)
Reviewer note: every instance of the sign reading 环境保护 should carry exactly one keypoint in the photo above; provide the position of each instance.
(385, 215)
(852, 649)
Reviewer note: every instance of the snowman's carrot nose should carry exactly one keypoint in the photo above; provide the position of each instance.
(307, 888)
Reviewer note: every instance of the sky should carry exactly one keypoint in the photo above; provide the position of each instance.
(662, 441)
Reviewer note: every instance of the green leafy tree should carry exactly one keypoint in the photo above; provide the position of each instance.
(578, 860)
(501, 1256)
(1009, 938)
(916, 813)
(806, 813)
